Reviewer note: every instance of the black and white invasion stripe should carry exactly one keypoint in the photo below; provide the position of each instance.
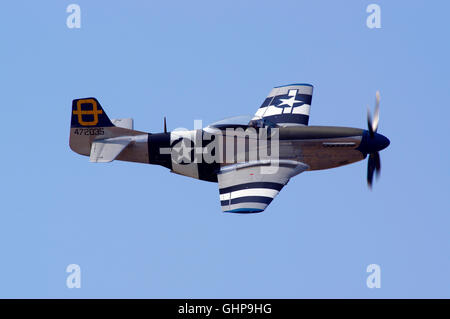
(248, 197)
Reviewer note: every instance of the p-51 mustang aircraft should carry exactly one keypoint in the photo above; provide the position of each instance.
(235, 155)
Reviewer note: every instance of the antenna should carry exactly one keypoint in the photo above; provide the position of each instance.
(165, 125)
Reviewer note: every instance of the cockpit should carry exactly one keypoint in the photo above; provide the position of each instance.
(262, 122)
(242, 121)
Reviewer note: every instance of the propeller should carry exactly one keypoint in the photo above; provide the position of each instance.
(374, 162)
(373, 124)
(165, 125)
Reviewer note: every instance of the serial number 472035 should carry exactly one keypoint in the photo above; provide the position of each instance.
(89, 131)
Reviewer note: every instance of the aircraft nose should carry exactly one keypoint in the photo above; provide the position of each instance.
(381, 141)
(375, 143)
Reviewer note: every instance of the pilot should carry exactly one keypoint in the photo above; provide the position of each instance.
(260, 123)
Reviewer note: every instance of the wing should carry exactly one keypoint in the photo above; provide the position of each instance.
(287, 105)
(251, 187)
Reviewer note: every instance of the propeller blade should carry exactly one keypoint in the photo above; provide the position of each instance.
(374, 162)
(370, 170)
(376, 114)
(369, 122)
(165, 125)
(377, 164)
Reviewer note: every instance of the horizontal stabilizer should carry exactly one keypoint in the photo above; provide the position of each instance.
(123, 123)
(107, 150)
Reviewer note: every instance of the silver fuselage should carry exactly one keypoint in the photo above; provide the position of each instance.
(319, 147)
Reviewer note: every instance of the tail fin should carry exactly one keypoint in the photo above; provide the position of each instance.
(93, 134)
(89, 122)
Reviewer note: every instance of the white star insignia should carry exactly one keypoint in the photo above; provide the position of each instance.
(290, 101)
(182, 152)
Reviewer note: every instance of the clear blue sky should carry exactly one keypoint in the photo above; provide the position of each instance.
(139, 231)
